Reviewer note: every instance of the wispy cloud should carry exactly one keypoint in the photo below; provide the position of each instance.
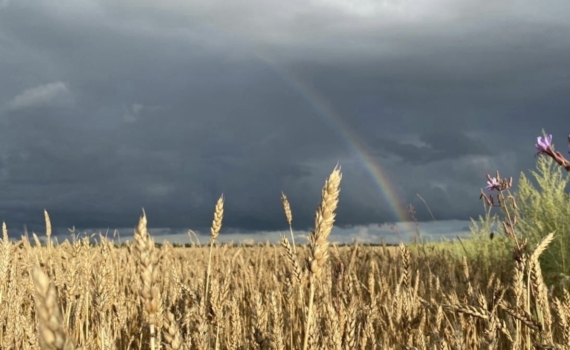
(40, 95)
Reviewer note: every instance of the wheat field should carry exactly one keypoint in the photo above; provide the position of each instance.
(317, 296)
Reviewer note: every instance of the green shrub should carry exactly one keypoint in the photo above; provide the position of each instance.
(543, 209)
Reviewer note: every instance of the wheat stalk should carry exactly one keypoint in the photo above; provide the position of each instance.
(147, 258)
(318, 240)
(289, 217)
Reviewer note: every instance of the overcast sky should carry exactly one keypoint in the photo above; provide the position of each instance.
(112, 105)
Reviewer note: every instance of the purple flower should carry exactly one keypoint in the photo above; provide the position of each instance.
(493, 184)
(544, 144)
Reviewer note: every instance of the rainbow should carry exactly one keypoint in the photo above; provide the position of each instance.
(330, 116)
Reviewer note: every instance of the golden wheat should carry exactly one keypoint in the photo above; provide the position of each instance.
(106, 296)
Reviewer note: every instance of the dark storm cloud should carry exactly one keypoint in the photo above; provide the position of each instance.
(107, 107)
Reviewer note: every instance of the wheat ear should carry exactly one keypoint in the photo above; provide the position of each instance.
(48, 228)
(52, 334)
